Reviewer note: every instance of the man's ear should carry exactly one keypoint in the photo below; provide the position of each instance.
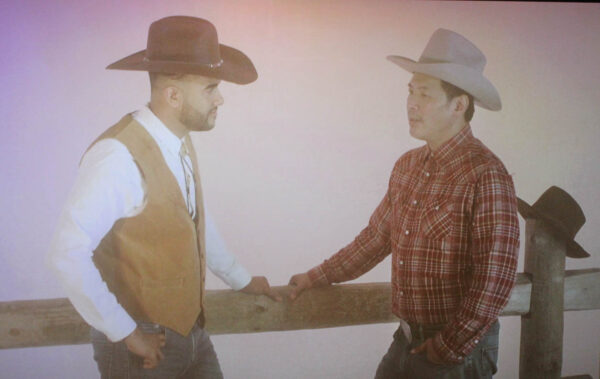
(173, 96)
(461, 103)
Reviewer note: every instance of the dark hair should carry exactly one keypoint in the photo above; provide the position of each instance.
(154, 76)
(453, 91)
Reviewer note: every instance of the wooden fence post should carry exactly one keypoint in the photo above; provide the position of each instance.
(542, 328)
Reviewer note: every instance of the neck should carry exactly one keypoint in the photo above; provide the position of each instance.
(169, 120)
(453, 130)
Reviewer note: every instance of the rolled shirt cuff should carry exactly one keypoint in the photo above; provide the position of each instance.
(237, 278)
(317, 276)
(118, 327)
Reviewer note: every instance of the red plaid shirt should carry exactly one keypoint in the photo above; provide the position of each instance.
(449, 218)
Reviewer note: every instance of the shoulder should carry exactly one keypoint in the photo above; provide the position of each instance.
(110, 145)
(108, 156)
(410, 158)
(483, 161)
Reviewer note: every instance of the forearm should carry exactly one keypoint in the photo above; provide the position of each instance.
(369, 248)
(220, 260)
(494, 257)
(108, 187)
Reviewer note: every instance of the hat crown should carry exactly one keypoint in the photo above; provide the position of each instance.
(559, 206)
(183, 39)
(446, 46)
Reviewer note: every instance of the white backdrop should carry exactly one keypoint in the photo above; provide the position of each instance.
(300, 158)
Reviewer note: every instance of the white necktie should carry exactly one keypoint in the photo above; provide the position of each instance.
(188, 175)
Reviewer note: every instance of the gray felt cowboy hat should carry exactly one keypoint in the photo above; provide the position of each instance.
(559, 210)
(451, 57)
(189, 45)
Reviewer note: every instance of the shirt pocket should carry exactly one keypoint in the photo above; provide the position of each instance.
(436, 220)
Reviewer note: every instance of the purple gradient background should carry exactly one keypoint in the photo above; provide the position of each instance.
(300, 158)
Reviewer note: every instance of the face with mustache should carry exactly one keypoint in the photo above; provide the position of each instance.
(431, 116)
(201, 100)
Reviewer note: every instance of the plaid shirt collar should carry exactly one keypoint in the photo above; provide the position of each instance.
(449, 150)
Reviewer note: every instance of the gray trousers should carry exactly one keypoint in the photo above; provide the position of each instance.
(189, 357)
(398, 363)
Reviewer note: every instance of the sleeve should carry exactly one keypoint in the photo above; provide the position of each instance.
(219, 260)
(495, 246)
(369, 248)
(108, 187)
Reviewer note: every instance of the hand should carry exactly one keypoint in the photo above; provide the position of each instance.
(146, 346)
(259, 285)
(427, 347)
(299, 283)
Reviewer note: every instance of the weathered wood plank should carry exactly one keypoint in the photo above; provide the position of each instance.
(55, 321)
(542, 328)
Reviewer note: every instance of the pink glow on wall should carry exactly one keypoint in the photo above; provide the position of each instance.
(300, 158)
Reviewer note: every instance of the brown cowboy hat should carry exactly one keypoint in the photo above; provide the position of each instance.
(560, 211)
(453, 58)
(189, 45)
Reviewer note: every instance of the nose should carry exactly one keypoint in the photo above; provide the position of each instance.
(218, 98)
(411, 104)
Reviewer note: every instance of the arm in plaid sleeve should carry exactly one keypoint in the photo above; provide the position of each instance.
(495, 246)
(369, 248)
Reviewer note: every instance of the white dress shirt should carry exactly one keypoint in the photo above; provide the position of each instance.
(108, 187)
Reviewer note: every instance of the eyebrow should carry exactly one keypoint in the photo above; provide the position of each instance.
(213, 85)
(410, 85)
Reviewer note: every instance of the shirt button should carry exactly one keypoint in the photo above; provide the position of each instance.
(401, 262)
(406, 232)
(401, 293)
(437, 208)
(414, 202)
(427, 174)
(476, 341)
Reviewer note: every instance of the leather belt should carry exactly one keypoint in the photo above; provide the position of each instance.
(422, 332)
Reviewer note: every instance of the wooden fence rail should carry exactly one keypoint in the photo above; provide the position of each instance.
(55, 322)
(542, 293)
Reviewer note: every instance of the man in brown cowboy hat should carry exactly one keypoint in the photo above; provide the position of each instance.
(449, 219)
(133, 241)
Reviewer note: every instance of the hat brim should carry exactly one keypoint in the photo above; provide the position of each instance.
(574, 250)
(236, 66)
(466, 78)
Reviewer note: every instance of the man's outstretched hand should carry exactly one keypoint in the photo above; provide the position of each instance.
(299, 283)
(259, 285)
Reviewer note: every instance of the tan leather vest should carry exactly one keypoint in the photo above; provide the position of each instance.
(154, 262)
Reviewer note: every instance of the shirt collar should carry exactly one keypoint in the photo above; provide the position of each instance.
(449, 149)
(163, 136)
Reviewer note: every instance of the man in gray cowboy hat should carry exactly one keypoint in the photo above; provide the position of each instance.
(449, 219)
(134, 239)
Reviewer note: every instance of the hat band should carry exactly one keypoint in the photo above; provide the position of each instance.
(432, 60)
(209, 65)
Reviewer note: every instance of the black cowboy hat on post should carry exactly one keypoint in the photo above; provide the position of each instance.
(560, 211)
(189, 45)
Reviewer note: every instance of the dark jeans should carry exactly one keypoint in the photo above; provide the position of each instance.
(192, 356)
(399, 363)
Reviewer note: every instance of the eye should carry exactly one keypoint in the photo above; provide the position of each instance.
(211, 88)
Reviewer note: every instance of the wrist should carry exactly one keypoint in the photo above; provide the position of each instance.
(128, 340)
(316, 277)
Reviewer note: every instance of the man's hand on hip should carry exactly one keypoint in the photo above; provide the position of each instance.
(427, 348)
(259, 285)
(146, 346)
